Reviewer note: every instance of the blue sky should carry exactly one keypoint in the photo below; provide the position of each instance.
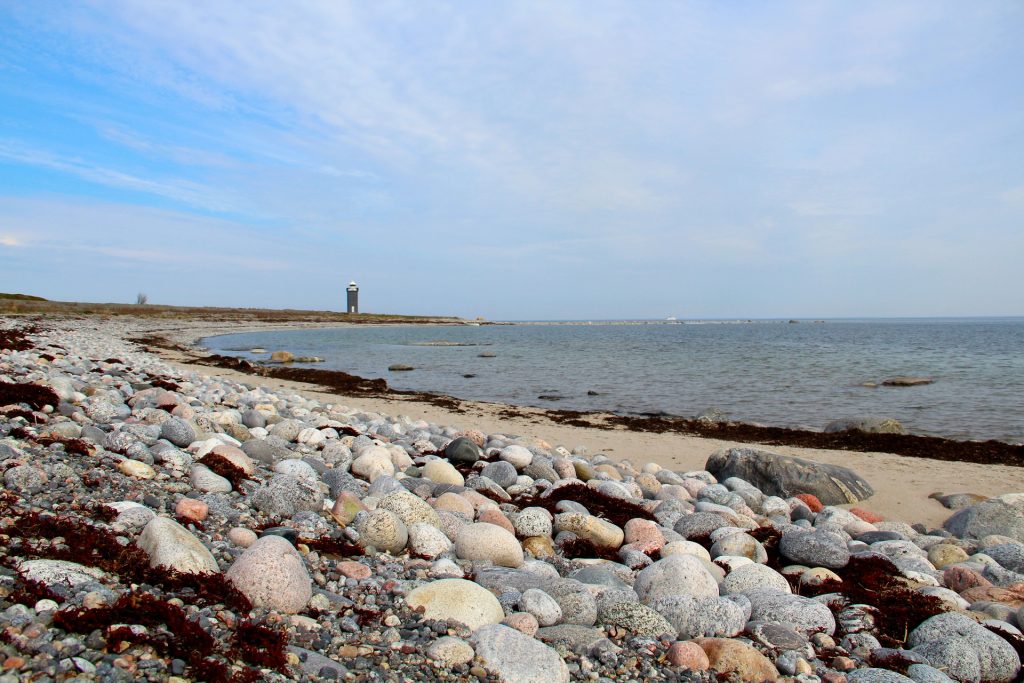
(518, 160)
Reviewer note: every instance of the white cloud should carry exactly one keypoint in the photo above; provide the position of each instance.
(187, 191)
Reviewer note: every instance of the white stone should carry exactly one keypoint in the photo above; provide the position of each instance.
(457, 599)
(168, 544)
(426, 540)
(483, 541)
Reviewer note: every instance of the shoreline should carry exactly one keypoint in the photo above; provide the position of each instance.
(903, 484)
(981, 451)
(947, 437)
(384, 524)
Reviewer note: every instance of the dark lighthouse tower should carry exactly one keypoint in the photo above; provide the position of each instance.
(353, 298)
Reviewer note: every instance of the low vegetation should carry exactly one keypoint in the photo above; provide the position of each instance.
(21, 304)
(20, 297)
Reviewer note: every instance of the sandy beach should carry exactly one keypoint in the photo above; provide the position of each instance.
(902, 484)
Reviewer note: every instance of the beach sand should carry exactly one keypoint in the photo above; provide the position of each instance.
(902, 484)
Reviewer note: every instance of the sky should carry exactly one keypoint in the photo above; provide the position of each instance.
(517, 160)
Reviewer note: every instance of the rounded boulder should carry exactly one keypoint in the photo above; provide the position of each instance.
(271, 574)
(483, 541)
(458, 600)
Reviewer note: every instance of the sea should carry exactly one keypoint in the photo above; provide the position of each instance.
(799, 374)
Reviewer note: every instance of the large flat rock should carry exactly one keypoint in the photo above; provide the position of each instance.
(786, 475)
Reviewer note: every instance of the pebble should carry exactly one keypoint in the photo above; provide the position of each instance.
(133, 468)
(242, 537)
(443, 472)
(383, 530)
(676, 574)
(815, 548)
(192, 509)
(450, 651)
(688, 655)
(426, 540)
(205, 479)
(733, 656)
(540, 605)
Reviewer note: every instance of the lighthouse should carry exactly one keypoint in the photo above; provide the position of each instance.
(353, 298)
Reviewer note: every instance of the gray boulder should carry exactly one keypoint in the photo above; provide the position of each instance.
(872, 675)
(777, 607)
(517, 658)
(704, 617)
(462, 450)
(815, 548)
(286, 494)
(786, 476)
(964, 649)
(1003, 515)
(638, 619)
(871, 425)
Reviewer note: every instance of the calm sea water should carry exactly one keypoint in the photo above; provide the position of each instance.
(798, 375)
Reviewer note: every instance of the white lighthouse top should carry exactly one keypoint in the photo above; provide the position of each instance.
(352, 284)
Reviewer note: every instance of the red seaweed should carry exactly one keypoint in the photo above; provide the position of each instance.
(171, 632)
(257, 644)
(165, 384)
(34, 395)
(17, 340)
(876, 581)
(615, 510)
(581, 547)
(225, 468)
(95, 546)
(325, 545)
(76, 446)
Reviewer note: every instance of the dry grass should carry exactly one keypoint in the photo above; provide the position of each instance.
(24, 306)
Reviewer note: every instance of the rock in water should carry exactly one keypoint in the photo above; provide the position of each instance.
(459, 600)
(786, 476)
(171, 545)
(907, 381)
(271, 574)
(518, 658)
(871, 425)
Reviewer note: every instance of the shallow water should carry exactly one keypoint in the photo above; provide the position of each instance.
(776, 373)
